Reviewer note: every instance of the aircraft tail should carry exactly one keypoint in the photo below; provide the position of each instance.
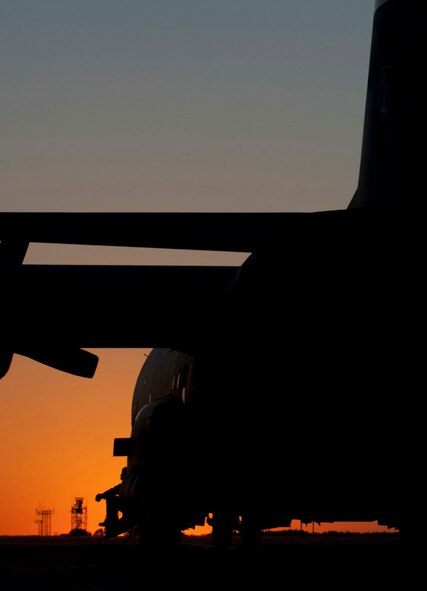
(390, 167)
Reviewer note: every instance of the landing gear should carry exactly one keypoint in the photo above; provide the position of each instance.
(223, 525)
(250, 533)
(222, 530)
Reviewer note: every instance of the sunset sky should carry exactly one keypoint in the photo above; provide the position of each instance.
(137, 105)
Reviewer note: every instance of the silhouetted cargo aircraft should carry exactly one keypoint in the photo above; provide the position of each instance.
(274, 390)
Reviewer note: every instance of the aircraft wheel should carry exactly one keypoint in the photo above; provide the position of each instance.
(222, 530)
(250, 538)
(250, 533)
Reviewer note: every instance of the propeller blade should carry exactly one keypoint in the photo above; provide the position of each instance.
(74, 361)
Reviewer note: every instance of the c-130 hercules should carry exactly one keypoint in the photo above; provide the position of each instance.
(315, 327)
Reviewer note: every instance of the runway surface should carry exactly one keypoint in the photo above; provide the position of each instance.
(96, 564)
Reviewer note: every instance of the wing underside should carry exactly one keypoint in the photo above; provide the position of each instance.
(108, 306)
(48, 308)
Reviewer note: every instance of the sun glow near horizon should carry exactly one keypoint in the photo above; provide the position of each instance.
(57, 432)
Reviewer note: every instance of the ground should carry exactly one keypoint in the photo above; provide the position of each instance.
(97, 564)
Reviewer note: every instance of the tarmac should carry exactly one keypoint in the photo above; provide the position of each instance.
(62, 563)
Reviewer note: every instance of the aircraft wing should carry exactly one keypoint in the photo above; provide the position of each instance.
(49, 308)
(232, 232)
(52, 311)
(108, 306)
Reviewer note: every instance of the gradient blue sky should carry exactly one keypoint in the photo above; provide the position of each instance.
(191, 105)
(136, 105)
(166, 105)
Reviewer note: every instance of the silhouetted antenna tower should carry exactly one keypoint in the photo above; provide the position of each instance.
(78, 515)
(44, 521)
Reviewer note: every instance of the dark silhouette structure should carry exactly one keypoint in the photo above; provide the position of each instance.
(44, 521)
(78, 518)
(275, 390)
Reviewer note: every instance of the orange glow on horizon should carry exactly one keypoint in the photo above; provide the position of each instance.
(56, 442)
(56, 435)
